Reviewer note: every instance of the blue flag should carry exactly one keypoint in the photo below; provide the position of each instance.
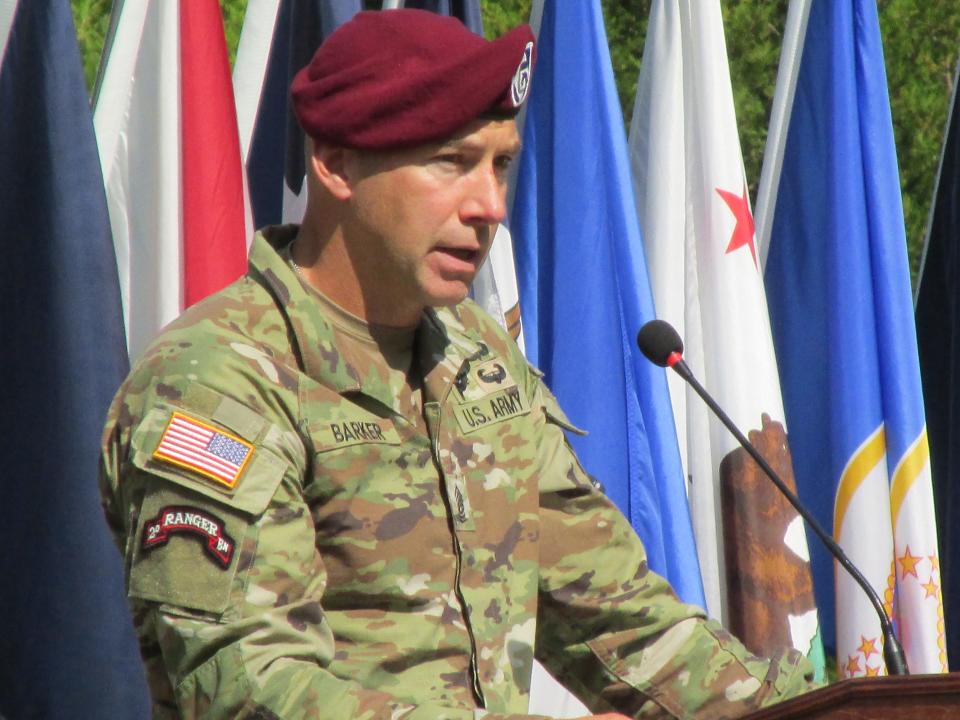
(938, 335)
(585, 291)
(68, 647)
(838, 288)
(272, 139)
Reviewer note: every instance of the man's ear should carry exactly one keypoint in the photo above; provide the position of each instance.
(327, 163)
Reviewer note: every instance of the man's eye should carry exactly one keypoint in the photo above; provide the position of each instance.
(451, 158)
(503, 162)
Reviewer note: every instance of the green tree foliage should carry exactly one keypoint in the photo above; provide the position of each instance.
(91, 18)
(921, 42)
(754, 34)
(498, 17)
(233, 12)
(626, 23)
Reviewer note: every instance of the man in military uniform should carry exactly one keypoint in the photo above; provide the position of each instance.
(340, 489)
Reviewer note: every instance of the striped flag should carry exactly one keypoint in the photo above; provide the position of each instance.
(699, 236)
(197, 446)
(166, 126)
(68, 647)
(838, 288)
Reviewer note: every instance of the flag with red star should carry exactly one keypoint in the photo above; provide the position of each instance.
(838, 280)
(698, 233)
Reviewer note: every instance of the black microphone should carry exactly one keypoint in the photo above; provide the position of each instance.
(662, 346)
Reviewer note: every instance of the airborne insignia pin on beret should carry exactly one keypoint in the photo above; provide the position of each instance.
(521, 78)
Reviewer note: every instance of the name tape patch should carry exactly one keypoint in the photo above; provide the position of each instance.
(342, 433)
(181, 519)
(200, 447)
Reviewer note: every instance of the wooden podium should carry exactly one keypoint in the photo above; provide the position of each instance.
(920, 697)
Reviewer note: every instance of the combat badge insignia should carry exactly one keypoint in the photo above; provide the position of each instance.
(191, 521)
(204, 449)
(491, 377)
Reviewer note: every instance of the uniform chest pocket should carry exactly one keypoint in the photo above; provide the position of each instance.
(357, 452)
(373, 482)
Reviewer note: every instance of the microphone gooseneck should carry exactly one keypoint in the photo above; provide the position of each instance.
(661, 344)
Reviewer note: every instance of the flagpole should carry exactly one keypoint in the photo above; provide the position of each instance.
(115, 12)
(794, 32)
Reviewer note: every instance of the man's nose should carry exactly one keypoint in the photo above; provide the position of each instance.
(485, 202)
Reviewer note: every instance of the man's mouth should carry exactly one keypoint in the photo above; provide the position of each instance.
(460, 253)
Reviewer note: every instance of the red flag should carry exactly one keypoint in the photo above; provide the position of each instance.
(170, 152)
(214, 233)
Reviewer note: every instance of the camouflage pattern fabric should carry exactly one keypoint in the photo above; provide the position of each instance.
(316, 555)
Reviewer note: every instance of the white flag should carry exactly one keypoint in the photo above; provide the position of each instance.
(698, 232)
(167, 132)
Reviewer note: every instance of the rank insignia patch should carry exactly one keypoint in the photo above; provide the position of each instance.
(202, 448)
(192, 521)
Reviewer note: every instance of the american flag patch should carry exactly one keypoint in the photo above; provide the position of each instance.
(199, 447)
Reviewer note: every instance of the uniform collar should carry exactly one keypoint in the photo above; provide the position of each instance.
(312, 332)
(444, 347)
(445, 351)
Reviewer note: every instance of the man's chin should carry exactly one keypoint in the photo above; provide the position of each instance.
(449, 296)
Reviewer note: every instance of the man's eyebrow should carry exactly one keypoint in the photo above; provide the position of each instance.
(471, 144)
(463, 143)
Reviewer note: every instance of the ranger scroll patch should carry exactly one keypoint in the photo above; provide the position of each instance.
(193, 521)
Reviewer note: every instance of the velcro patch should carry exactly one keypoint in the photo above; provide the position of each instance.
(485, 379)
(197, 446)
(472, 416)
(345, 432)
(176, 519)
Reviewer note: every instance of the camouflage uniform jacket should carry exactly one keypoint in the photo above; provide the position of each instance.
(347, 565)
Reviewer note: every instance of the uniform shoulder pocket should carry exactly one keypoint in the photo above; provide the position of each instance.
(208, 457)
(207, 478)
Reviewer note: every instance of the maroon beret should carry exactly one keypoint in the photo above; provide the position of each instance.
(399, 78)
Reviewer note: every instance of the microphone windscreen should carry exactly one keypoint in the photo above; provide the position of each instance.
(658, 340)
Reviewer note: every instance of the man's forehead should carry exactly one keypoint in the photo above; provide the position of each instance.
(480, 137)
(484, 131)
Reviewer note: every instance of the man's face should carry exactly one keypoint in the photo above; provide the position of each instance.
(423, 219)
